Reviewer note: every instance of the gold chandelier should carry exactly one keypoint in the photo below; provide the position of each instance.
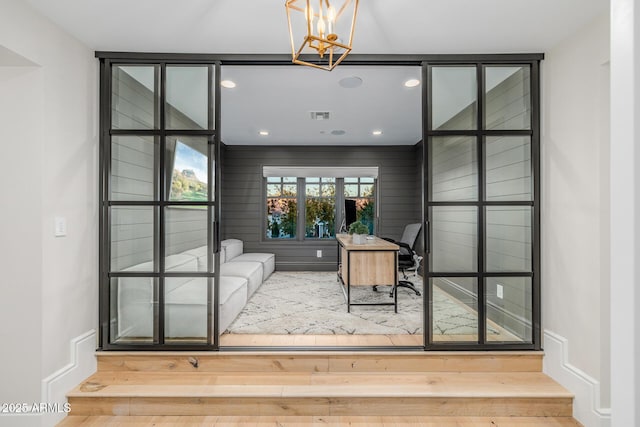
(322, 30)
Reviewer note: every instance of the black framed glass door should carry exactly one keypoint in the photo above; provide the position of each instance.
(482, 212)
(159, 210)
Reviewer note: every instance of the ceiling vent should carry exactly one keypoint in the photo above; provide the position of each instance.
(319, 115)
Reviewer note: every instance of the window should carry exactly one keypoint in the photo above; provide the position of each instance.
(361, 191)
(189, 175)
(301, 207)
(320, 207)
(282, 207)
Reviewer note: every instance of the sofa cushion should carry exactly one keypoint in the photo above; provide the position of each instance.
(179, 263)
(143, 266)
(200, 254)
(252, 271)
(186, 306)
(233, 248)
(193, 291)
(268, 262)
(233, 297)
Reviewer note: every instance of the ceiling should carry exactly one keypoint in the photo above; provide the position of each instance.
(279, 99)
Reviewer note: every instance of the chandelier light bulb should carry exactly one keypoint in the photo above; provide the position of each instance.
(331, 18)
(315, 31)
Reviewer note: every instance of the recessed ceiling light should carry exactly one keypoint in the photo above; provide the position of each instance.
(412, 83)
(376, 132)
(229, 84)
(350, 82)
(264, 132)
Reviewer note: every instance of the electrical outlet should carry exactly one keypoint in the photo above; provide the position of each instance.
(319, 253)
(499, 291)
(60, 226)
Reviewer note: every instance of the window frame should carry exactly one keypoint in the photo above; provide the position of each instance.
(266, 198)
(301, 215)
(320, 196)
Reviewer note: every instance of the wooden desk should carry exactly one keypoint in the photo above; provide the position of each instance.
(374, 263)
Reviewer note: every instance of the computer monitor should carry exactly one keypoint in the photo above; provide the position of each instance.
(349, 212)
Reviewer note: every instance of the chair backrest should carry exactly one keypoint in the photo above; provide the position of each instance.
(410, 234)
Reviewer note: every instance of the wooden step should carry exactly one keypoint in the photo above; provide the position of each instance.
(321, 387)
(321, 393)
(298, 421)
(406, 361)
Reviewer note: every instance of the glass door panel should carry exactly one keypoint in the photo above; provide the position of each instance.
(134, 97)
(508, 238)
(159, 213)
(454, 98)
(508, 168)
(454, 308)
(132, 310)
(187, 100)
(454, 234)
(507, 97)
(481, 208)
(454, 166)
(186, 314)
(509, 308)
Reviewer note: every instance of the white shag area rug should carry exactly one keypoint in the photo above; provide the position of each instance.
(312, 303)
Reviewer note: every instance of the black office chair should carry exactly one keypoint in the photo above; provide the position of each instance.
(408, 259)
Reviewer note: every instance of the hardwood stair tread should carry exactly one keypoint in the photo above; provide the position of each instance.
(323, 386)
(321, 361)
(240, 384)
(313, 353)
(308, 421)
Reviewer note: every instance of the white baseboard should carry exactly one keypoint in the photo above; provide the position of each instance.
(586, 405)
(83, 364)
(55, 387)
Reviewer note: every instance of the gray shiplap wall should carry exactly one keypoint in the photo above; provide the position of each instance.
(243, 199)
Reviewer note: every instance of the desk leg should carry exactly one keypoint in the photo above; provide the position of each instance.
(395, 274)
(339, 261)
(349, 282)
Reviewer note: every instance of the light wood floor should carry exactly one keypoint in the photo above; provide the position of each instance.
(242, 340)
(250, 340)
(293, 421)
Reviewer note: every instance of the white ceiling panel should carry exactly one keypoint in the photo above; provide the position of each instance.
(280, 100)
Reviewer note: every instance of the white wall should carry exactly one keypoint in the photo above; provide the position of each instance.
(21, 261)
(575, 205)
(625, 208)
(50, 131)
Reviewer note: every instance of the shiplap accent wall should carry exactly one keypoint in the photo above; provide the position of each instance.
(132, 179)
(504, 103)
(508, 175)
(244, 203)
(132, 174)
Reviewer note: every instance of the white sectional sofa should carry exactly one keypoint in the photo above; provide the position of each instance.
(241, 274)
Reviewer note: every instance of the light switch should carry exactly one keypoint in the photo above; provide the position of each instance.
(60, 226)
(499, 291)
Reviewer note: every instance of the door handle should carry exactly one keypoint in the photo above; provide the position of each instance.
(427, 237)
